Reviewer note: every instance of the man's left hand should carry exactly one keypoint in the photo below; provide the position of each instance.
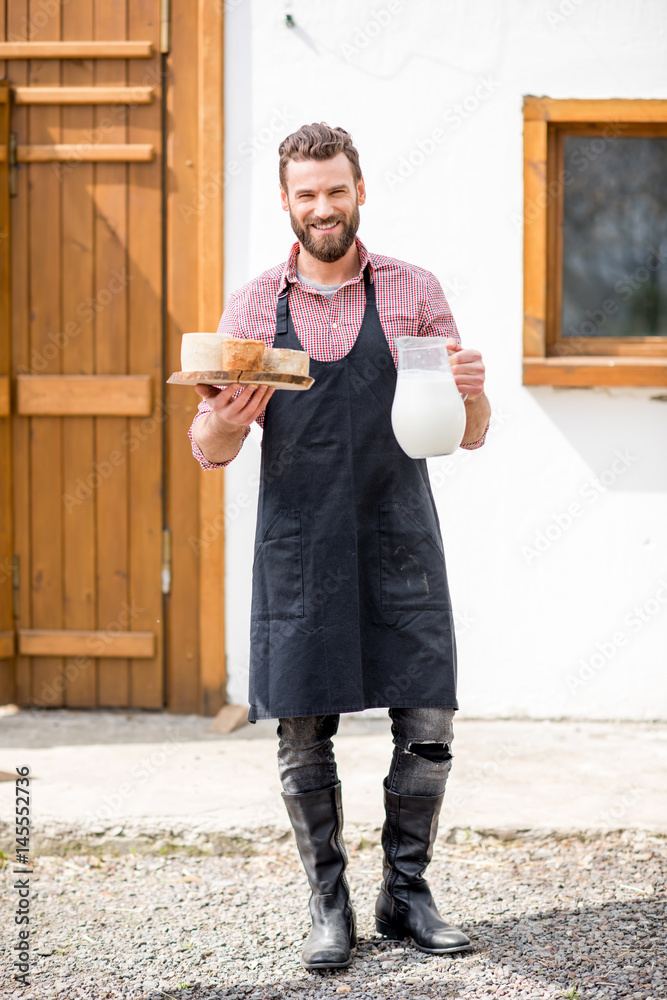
(467, 368)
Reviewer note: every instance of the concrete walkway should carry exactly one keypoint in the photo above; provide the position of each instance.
(127, 776)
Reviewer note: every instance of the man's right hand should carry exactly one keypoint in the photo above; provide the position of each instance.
(219, 434)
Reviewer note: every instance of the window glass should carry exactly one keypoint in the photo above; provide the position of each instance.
(614, 237)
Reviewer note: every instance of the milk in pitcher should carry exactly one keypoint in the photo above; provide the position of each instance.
(428, 415)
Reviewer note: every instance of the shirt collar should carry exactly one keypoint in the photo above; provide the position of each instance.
(289, 275)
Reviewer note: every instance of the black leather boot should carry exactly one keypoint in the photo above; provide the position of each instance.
(405, 907)
(317, 819)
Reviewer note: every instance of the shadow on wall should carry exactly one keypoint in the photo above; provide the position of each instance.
(619, 433)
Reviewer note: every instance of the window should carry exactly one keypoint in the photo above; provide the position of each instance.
(595, 242)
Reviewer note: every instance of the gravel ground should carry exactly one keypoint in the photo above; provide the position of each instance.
(550, 918)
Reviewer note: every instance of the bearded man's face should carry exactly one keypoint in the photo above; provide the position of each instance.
(323, 203)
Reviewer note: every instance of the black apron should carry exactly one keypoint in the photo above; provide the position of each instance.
(350, 603)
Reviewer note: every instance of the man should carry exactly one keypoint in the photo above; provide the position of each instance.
(350, 605)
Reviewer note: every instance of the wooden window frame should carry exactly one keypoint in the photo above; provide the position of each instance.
(595, 361)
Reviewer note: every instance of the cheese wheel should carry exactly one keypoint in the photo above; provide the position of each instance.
(288, 362)
(201, 352)
(243, 355)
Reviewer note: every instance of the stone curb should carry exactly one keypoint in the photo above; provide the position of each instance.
(59, 839)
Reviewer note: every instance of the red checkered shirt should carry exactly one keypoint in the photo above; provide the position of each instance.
(410, 301)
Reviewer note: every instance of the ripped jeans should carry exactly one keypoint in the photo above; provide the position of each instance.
(420, 764)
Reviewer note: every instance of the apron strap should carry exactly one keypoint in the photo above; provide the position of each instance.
(369, 287)
(282, 311)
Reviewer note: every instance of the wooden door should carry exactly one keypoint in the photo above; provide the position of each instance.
(116, 133)
(7, 687)
(88, 420)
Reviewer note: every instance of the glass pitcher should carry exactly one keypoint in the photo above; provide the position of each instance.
(428, 416)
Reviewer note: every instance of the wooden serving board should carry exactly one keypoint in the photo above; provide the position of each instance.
(278, 380)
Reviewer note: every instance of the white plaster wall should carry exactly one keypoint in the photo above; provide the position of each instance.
(529, 622)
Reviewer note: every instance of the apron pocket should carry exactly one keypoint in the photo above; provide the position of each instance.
(412, 563)
(277, 576)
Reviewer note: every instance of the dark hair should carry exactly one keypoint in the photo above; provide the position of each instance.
(317, 142)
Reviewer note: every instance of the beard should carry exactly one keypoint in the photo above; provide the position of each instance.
(327, 248)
